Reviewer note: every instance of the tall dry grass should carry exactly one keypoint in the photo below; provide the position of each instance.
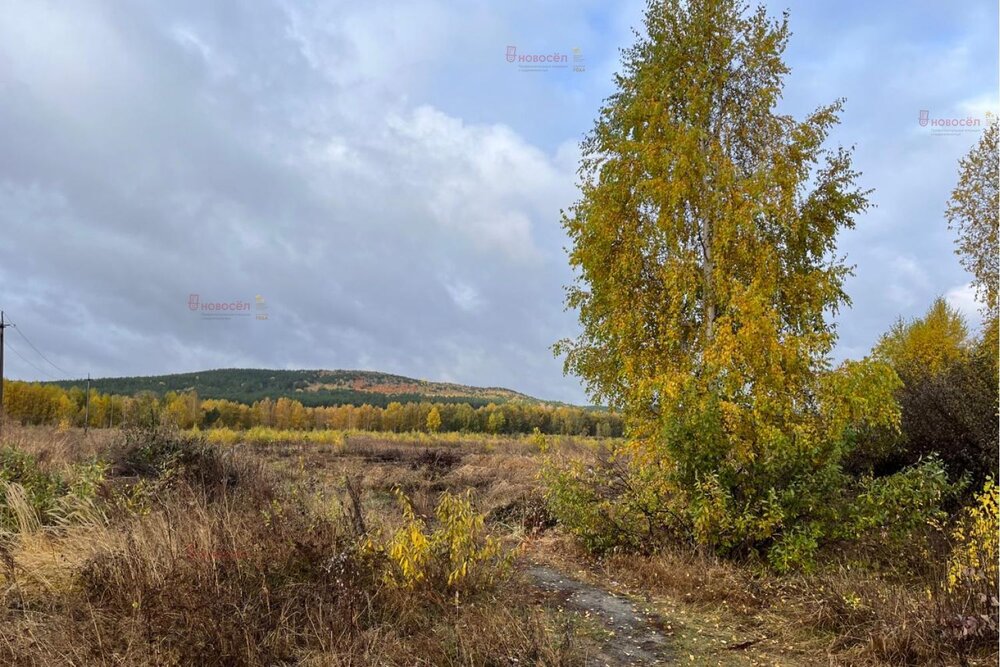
(208, 557)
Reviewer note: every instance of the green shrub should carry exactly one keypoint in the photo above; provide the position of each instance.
(613, 503)
(900, 504)
(42, 489)
(948, 397)
(584, 497)
(50, 497)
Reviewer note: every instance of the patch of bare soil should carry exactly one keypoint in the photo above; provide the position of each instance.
(627, 634)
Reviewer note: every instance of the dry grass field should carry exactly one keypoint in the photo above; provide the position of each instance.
(159, 548)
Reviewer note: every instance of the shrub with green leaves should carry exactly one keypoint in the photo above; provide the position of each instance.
(613, 503)
(589, 499)
(948, 397)
(50, 497)
(728, 481)
(899, 505)
(41, 489)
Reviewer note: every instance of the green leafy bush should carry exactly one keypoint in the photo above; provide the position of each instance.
(42, 489)
(593, 500)
(48, 497)
(613, 505)
(900, 504)
(948, 397)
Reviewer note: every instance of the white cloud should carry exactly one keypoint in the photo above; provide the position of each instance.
(905, 281)
(464, 295)
(979, 106)
(963, 299)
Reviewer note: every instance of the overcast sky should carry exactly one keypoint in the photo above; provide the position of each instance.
(389, 184)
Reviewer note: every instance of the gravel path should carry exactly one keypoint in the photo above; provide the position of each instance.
(633, 637)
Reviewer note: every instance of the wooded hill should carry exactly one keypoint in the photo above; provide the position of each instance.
(310, 387)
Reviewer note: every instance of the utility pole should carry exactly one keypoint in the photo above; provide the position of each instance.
(86, 412)
(3, 325)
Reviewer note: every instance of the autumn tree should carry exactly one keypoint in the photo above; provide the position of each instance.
(263, 412)
(299, 417)
(973, 213)
(704, 243)
(948, 396)
(434, 420)
(392, 417)
(928, 344)
(496, 422)
(921, 351)
(465, 417)
(182, 408)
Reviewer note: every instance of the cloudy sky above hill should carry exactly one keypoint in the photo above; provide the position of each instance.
(389, 185)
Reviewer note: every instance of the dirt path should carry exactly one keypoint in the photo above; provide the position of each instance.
(630, 635)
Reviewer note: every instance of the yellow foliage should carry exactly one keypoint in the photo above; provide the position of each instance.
(455, 550)
(926, 345)
(262, 435)
(434, 420)
(973, 562)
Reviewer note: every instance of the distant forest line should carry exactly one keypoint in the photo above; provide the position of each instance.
(312, 388)
(30, 403)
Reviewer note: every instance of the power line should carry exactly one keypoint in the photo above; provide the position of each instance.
(6, 344)
(14, 350)
(39, 352)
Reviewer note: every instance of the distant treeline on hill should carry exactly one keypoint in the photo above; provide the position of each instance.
(312, 388)
(41, 404)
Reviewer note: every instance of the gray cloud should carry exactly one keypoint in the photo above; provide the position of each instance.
(148, 156)
(385, 180)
